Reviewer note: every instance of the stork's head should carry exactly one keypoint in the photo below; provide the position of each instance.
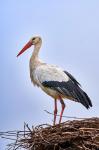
(33, 41)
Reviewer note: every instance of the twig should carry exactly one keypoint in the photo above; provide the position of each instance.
(16, 141)
(64, 116)
(43, 138)
(27, 127)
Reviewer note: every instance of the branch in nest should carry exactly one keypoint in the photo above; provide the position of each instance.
(65, 116)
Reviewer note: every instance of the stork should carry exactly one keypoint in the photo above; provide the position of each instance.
(53, 80)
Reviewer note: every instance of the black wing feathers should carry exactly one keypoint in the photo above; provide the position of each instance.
(70, 89)
(72, 78)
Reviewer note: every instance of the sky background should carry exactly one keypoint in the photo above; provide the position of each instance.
(70, 34)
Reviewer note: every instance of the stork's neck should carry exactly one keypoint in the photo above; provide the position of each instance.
(36, 50)
(34, 60)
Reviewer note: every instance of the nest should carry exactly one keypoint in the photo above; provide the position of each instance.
(70, 135)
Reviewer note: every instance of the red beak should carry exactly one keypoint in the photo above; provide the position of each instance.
(28, 45)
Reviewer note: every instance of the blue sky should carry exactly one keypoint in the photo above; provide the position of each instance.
(70, 34)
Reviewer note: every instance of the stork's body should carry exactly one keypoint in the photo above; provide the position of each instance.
(53, 80)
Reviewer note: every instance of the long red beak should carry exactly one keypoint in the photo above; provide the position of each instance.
(28, 45)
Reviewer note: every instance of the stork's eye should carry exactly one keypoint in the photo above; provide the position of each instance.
(33, 39)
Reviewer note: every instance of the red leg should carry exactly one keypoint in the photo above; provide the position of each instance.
(55, 111)
(63, 107)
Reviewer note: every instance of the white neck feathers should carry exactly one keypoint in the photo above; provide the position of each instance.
(36, 50)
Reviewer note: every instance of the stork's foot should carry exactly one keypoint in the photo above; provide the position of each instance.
(63, 107)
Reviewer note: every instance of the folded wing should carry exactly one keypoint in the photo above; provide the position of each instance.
(63, 82)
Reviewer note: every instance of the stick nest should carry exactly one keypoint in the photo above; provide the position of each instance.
(70, 135)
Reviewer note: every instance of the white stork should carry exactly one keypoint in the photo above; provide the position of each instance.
(53, 80)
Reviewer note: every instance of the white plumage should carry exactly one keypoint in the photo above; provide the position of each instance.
(53, 80)
(47, 72)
